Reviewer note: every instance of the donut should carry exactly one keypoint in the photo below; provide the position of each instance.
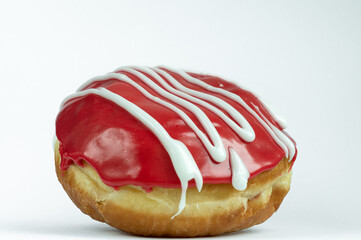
(167, 152)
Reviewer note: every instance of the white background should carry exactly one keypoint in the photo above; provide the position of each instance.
(304, 57)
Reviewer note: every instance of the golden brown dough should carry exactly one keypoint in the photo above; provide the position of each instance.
(215, 210)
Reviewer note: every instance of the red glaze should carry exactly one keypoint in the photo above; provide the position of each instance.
(123, 151)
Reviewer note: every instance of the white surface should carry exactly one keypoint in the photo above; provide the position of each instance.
(303, 57)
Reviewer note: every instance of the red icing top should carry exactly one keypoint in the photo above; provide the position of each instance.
(124, 151)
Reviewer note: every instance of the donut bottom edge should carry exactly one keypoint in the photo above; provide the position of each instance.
(217, 209)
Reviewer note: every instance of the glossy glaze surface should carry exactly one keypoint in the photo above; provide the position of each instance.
(124, 151)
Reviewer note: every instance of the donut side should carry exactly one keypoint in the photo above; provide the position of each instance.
(215, 210)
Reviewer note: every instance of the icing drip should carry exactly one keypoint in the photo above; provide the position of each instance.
(176, 96)
(240, 173)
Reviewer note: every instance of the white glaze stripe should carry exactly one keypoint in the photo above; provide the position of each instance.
(281, 121)
(245, 131)
(281, 142)
(283, 137)
(181, 158)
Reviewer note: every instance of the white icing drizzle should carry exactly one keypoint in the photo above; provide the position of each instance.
(291, 149)
(245, 131)
(240, 173)
(281, 121)
(281, 141)
(182, 160)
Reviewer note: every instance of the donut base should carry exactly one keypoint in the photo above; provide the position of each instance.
(217, 209)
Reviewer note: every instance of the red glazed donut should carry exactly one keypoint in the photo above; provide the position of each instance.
(163, 152)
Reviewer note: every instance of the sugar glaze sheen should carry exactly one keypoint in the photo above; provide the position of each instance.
(227, 123)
